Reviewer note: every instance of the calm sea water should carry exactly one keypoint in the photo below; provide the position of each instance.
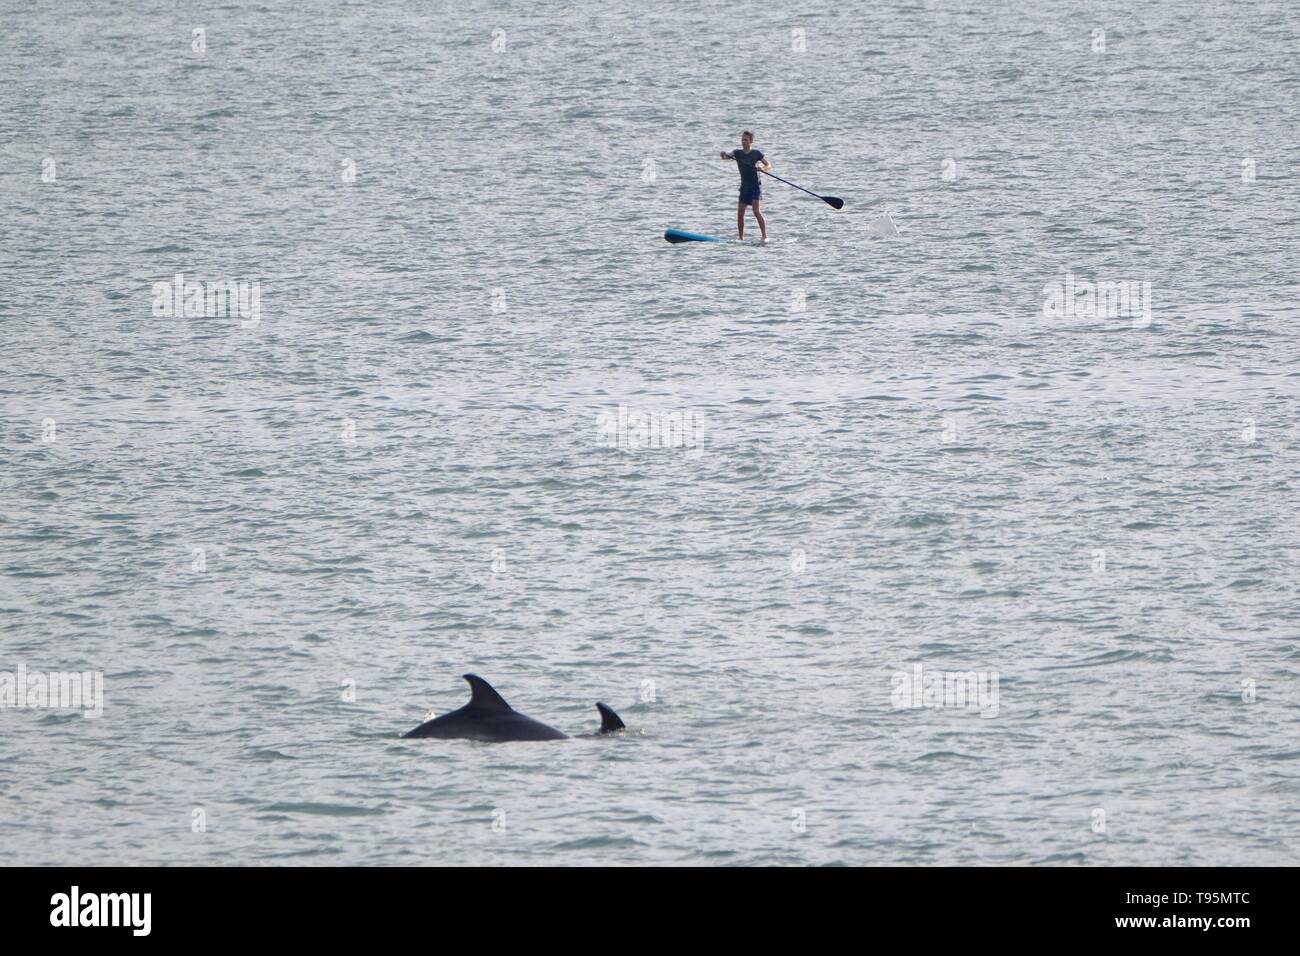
(282, 541)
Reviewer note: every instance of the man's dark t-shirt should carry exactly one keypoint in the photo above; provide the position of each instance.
(745, 162)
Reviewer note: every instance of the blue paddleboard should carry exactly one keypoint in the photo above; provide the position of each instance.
(681, 235)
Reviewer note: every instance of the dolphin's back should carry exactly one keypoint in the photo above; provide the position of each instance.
(487, 716)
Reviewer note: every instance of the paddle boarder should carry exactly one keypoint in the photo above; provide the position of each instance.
(749, 160)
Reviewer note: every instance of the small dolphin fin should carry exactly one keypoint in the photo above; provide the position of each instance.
(609, 721)
(483, 696)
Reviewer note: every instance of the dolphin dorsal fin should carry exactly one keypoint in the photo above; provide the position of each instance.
(483, 696)
(609, 721)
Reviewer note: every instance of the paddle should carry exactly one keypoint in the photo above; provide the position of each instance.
(835, 202)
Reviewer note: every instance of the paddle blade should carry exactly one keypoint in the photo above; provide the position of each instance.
(835, 202)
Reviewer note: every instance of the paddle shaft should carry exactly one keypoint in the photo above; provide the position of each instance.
(825, 199)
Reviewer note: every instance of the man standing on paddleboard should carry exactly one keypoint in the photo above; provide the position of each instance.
(749, 161)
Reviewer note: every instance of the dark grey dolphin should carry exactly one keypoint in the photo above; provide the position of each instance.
(610, 722)
(488, 717)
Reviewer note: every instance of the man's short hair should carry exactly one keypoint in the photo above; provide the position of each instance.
(747, 133)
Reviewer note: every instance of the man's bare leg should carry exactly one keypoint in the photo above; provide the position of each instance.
(740, 219)
(762, 223)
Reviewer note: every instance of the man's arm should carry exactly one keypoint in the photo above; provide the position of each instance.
(764, 163)
(726, 156)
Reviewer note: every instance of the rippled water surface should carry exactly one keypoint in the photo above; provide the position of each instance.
(282, 543)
